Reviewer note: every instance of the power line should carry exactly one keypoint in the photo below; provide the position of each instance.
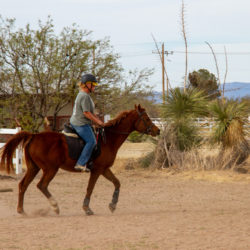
(136, 54)
(183, 52)
(217, 53)
(135, 44)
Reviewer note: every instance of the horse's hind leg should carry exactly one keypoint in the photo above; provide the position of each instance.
(48, 175)
(111, 177)
(30, 174)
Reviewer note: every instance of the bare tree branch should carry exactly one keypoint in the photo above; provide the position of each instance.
(185, 40)
(159, 53)
(225, 76)
(216, 64)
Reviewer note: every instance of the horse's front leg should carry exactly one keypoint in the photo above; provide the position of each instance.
(92, 181)
(111, 177)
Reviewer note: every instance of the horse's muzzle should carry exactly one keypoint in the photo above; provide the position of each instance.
(156, 131)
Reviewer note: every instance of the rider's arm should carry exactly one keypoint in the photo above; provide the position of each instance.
(93, 118)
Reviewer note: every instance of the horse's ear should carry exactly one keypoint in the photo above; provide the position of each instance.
(139, 107)
(135, 106)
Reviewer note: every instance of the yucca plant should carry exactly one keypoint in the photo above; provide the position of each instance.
(230, 116)
(180, 110)
(181, 133)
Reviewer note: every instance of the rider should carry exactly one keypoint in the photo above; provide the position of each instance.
(82, 118)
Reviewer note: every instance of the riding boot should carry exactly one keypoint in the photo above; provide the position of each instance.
(81, 168)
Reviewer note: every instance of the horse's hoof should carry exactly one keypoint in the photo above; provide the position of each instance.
(57, 210)
(21, 211)
(54, 205)
(88, 211)
(112, 207)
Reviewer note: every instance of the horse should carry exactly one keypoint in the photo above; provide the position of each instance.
(48, 151)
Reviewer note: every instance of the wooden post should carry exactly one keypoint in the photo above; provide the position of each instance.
(18, 159)
(167, 80)
(163, 74)
(167, 77)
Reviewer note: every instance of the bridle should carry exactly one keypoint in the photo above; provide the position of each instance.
(140, 118)
(148, 128)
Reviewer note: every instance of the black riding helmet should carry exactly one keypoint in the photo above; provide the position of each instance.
(89, 78)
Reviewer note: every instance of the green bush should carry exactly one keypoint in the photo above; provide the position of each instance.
(146, 161)
(137, 137)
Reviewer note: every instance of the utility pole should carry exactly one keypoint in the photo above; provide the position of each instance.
(168, 53)
(164, 72)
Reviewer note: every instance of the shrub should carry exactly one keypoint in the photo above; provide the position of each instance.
(137, 137)
(147, 160)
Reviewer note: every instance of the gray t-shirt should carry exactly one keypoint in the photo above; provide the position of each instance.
(83, 102)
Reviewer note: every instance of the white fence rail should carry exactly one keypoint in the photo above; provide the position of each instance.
(18, 159)
(205, 123)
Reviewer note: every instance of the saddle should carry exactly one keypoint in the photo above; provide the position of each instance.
(76, 143)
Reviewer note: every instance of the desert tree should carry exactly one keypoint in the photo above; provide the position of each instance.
(205, 81)
(40, 71)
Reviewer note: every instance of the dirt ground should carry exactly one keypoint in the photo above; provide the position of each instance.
(156, 210)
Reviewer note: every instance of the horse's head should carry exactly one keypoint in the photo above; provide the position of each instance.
(143, 123)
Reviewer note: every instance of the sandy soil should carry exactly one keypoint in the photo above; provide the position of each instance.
(156, 210)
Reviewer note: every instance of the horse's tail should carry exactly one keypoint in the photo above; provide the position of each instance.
(10, 147)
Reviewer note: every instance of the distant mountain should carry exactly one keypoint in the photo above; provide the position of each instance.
(232, 90)
(237, 89)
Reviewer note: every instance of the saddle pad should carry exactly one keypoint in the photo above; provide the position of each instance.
(75, 146)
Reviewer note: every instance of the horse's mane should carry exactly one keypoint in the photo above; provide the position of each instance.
(117, 119)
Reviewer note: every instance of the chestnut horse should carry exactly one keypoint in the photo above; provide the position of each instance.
(49, 151)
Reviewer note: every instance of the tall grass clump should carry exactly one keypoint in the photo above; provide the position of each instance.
(180, 111)
(181, 133)
(230, 117)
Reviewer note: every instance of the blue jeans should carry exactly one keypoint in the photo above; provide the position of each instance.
(87, 134)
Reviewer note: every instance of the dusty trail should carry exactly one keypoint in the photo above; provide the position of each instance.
(156, 210)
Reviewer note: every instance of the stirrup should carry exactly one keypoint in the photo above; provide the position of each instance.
(89, 166)
(81, 168)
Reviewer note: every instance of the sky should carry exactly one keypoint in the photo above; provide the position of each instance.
(131, 25)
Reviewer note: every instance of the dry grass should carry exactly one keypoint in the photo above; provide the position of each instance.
(205, 157)
(195, 165)
(135, 150)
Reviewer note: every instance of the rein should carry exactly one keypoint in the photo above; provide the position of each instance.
(118, 132)
(148, 128)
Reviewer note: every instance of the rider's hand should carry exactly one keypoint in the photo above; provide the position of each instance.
(100, 123)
